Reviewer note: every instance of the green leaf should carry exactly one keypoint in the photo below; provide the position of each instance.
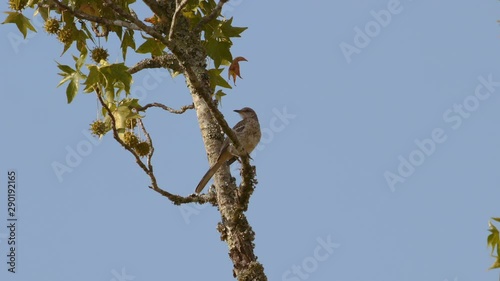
(492, 228)
(67, 73)
(118, 30)
(207, 6)
(128, 41)
(93, 78)
(64, 80)
(493, 238)
(71, 75)
(193, 17)
(216, 79)
(192, 12)
(81, 39)
(122, 75)
(219, 95)
(496, 264)
(492, 241)
(72, 89)
(22, 22)
(31, 3)
(231, 31)
(131, 103)
(152, 46)
(192, 5)
(212, 29)
(117, 72)
(79, 61)
(66, 47)
(219, 52)
(65, 68)
(44, 12)
(87, 32)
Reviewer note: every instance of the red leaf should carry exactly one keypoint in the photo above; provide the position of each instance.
(234, 69)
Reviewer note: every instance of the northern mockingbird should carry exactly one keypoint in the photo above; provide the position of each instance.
(248, 133)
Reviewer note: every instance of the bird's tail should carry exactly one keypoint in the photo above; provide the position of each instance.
(210, 173)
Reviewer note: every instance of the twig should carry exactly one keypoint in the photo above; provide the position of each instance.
(164, 61)
(151, 147)
(178, 9)
(207, 18)
(167, 108)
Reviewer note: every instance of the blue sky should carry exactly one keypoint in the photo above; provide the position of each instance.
(411, 102)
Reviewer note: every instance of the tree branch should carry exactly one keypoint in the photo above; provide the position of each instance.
(248, 182)
(166, 61)
(101, 20)
(167, 108)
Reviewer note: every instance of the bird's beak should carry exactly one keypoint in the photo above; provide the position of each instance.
(237, 110)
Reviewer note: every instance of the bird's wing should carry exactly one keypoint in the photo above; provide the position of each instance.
(238, 128)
